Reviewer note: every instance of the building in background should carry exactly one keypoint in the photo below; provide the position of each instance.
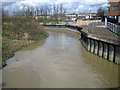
(112, 13)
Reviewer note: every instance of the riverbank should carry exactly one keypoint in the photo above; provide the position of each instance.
(72, 28)
(60, 61)
(19, 32)
(68, 30)
(99, 41)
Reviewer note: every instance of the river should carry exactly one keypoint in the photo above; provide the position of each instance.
(60, 61)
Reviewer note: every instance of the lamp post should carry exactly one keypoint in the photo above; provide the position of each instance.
(90, 14)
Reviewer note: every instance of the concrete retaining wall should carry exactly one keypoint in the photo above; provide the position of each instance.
(105, 53)
(117, 55)
(74, 28)
(106, 50)
(96, 48)
(100, 51)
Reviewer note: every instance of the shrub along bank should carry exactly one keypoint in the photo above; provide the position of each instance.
(19, 32)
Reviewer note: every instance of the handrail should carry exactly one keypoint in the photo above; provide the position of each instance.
(112, 27)
(97, 24)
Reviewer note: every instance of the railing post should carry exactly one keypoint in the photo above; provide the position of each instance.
(115, 28)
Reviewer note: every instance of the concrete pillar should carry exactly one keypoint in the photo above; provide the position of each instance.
(92, 46)
(111, 53)
(118, 19)
(85, 44)
(117, 55)
(105, 21)
(100, 52)
(96, 47)
(105, 53)
(88, 47)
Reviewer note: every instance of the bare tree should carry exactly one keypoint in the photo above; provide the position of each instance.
(58, 11)
(49, 10)
(46, 10)
(41, 10)
(100, 12)
(4, 12)
(61, 8)
(37, 11)
(54, 9)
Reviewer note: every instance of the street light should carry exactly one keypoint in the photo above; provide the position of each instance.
(90, 14)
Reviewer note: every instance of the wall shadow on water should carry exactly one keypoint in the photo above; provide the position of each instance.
(105, 68)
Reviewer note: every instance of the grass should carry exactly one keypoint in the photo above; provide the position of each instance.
(19, 32)
(50, 20)
(47, 20)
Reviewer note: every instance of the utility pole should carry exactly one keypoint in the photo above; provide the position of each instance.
(90, 14)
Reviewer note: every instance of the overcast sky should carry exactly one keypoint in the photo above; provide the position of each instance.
(71, 5)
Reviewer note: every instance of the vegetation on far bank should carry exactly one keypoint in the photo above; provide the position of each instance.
(47, 20)
(19, 32)
(52, 21)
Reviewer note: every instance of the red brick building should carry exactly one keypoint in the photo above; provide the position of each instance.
(113, 12)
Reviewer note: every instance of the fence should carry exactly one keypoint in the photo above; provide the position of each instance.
(112, 27)
(86, 22)
(97, 24)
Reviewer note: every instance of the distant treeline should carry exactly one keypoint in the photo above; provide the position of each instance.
(36, 11)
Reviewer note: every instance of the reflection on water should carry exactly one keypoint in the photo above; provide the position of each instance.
(59, 62)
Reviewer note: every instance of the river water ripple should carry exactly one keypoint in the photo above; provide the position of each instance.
(60, 61)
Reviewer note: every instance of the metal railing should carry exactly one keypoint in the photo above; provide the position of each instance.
(97, 24)
(114, 28)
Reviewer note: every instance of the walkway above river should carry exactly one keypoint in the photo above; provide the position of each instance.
(102, 34)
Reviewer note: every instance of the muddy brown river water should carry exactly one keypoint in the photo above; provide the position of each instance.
(60, 61)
